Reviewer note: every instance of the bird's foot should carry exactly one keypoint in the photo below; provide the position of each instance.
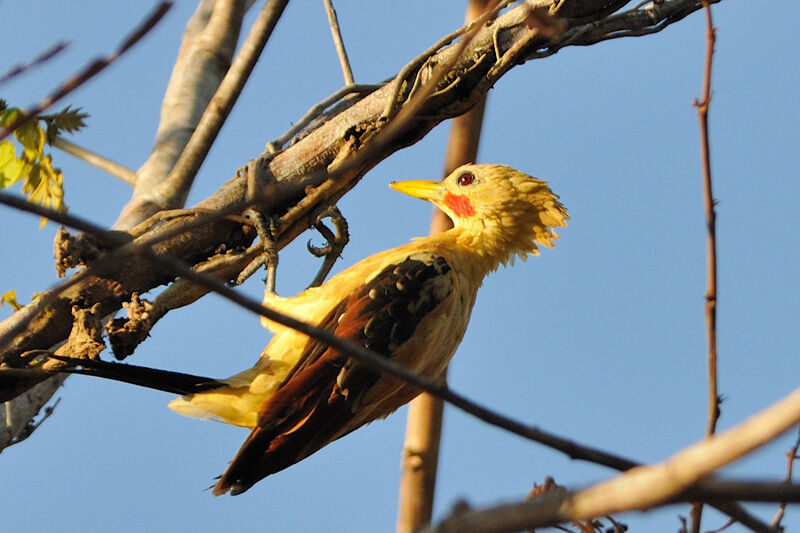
(267, 231)
(336, 240)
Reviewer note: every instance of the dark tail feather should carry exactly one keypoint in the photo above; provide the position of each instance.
(152, 378)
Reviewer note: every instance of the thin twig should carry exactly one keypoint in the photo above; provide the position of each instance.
(317, 110)
(791, 457)
(96, 160)
(91, 70)
(711, 242)
(32, 425)
(702, 105)
(333, 21)
(45, 56)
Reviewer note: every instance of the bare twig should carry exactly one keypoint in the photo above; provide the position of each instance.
(34, 425)
(90, 70)
(791, 457)
(316, 111)
(45, 56)
(339, 43)
(106, 165)
(702, 105)
(711, 217)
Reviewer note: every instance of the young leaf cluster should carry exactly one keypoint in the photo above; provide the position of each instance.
(41, 181)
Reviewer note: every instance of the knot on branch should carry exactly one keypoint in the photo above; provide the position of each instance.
(86, 338)
(83, 249)
(549, 485)
(72, 251)
(125, 335)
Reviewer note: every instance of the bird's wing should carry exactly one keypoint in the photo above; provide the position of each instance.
(321, 396)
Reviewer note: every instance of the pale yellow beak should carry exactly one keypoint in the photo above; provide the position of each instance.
(426, 190)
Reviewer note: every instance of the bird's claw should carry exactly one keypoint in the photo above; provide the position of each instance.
(267, 231)
(336, 240)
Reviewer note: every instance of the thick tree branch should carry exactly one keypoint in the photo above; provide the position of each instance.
(205, 55)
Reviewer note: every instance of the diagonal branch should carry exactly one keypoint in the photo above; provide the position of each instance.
(96, 160)
(47, 55)
(147, 251)
(333, 21)
(187, 110)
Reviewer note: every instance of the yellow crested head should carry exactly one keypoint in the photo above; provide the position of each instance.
(497, 210)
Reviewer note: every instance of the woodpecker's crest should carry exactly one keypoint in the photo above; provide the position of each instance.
(498, 211)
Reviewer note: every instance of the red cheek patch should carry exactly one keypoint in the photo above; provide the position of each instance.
(459, 204)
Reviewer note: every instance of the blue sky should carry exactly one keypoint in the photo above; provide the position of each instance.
(600, 340)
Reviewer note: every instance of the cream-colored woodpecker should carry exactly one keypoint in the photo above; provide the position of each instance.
(410, 304)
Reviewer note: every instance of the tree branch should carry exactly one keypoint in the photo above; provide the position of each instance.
(207, 49)
(96, 160)
(702, 106)
(333, 21)
(47, 55)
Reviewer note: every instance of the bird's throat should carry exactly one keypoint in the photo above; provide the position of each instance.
(459, 204)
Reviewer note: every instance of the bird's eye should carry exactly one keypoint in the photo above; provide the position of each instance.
(465, 178)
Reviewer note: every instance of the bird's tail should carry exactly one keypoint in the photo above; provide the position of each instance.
(151, 378)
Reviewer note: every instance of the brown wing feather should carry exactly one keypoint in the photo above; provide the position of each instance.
(322, 394)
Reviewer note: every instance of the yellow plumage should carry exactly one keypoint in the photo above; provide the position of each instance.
(411, 303)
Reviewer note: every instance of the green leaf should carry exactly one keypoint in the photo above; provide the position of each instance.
(45, 186)
(8, 116)
(10, 167)
(67, 121)
(31, 136)
(42, 182)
